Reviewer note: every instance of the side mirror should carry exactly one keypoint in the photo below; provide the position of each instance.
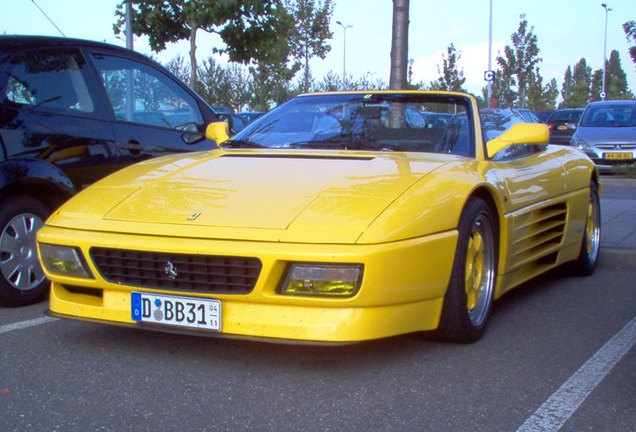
(219, 132)
(520, 133)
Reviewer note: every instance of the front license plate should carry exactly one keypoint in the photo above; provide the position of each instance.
(176, 311)
(617, 156)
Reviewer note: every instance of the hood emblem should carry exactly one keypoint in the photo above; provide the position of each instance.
(193, 216)
(171, 271)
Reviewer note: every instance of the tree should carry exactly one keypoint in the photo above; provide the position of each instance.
(451, 78)
(311, 33)
(399, 45)
(630, 33)
(249, 28)
(615, 80)
(502, 90)
(540, 97)
(576, 91)
(520, 61)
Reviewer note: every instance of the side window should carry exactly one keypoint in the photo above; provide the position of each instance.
(49, 80)
(142, 94)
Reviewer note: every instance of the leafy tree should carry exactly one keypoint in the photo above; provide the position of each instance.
(519, 62)
(451, 78)
(399, 45)
(249, 28)
(615, 80)
(311, 33)
(576, 91)
(179, 68)
(630, 33)
(330, 82)
(540, 97)
(502, 90)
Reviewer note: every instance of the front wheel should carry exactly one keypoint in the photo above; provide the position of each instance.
(470, 292)
(22, 280)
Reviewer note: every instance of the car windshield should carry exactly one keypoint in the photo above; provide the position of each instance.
(364, 121)
(610, 115)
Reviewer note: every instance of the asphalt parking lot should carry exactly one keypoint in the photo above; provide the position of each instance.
(558, 355)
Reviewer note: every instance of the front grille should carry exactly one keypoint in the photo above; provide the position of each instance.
(180, 272)
(614, 146)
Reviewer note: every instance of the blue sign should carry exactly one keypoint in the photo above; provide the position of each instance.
(489, 75)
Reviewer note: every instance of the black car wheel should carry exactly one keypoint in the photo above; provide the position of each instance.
(22, 279)
(470, 292)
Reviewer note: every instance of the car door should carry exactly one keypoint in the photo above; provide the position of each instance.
(153, 113)
(52, 111)
(536, 212)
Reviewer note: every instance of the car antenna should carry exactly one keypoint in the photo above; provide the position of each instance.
(47, 17)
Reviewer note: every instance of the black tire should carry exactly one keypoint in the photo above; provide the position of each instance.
(469, 297)
(587, 261)
(22, 279)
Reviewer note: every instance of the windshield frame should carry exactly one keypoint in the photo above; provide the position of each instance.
(339, 114)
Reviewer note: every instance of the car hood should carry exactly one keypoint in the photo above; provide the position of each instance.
(269, 196)
(607, 135)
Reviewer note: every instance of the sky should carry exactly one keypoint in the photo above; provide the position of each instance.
(567, 30)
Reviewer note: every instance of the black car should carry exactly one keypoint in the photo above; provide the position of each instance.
(562, 125)
(73, 111)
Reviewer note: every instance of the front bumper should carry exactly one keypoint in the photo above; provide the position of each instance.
(402, 289)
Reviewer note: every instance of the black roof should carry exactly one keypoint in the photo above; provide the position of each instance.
(12, 43)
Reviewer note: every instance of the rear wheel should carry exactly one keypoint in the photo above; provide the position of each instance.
(469, 296)
(22, 280)
(586, 263)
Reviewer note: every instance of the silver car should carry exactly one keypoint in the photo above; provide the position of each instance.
(607, 132)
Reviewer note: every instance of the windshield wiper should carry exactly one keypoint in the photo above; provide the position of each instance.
(241, 144)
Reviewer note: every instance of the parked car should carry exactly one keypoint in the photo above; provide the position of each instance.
(527, 115)
(328, 220)
(72, 112)
(562, 124)
(542, 116)
(250, 116)
(495, 121)
(607, 132)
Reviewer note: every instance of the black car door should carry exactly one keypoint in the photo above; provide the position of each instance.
(52, 111)
(153, 113)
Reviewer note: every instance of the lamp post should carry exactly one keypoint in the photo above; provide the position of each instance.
(490, 55)
(607, 10)
(344, 51)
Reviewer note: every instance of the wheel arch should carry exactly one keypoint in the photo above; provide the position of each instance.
(37, 179)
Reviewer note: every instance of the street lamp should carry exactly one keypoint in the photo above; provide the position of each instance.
(607, 10)
(344, 51)
(490, 56)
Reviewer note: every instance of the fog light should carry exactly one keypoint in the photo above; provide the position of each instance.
(64, 260)
(322, 280)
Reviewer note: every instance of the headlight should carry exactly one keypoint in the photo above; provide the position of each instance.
(64, 260)
(322, 280)
(581, 145)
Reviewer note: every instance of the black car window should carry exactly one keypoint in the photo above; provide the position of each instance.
(49, 80)
(142, 94)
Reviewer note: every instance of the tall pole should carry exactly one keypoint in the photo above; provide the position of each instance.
(604, 6)
(490, 55)
(344, 51)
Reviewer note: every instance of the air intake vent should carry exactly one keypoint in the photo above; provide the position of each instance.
(178, 272)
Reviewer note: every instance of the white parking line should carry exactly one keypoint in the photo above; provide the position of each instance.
(24, 324)
(553, 414)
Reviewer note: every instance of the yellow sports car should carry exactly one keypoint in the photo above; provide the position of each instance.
(336, 217)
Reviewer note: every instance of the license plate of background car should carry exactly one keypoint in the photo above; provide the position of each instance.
(176, 311)
(563, 127)
(618, 156)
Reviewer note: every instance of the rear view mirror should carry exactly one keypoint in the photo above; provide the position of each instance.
(219, 132)
(520, 133)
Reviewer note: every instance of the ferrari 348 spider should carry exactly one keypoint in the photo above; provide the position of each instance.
(336, 217)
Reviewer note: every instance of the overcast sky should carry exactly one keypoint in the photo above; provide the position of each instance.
(567, 30)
